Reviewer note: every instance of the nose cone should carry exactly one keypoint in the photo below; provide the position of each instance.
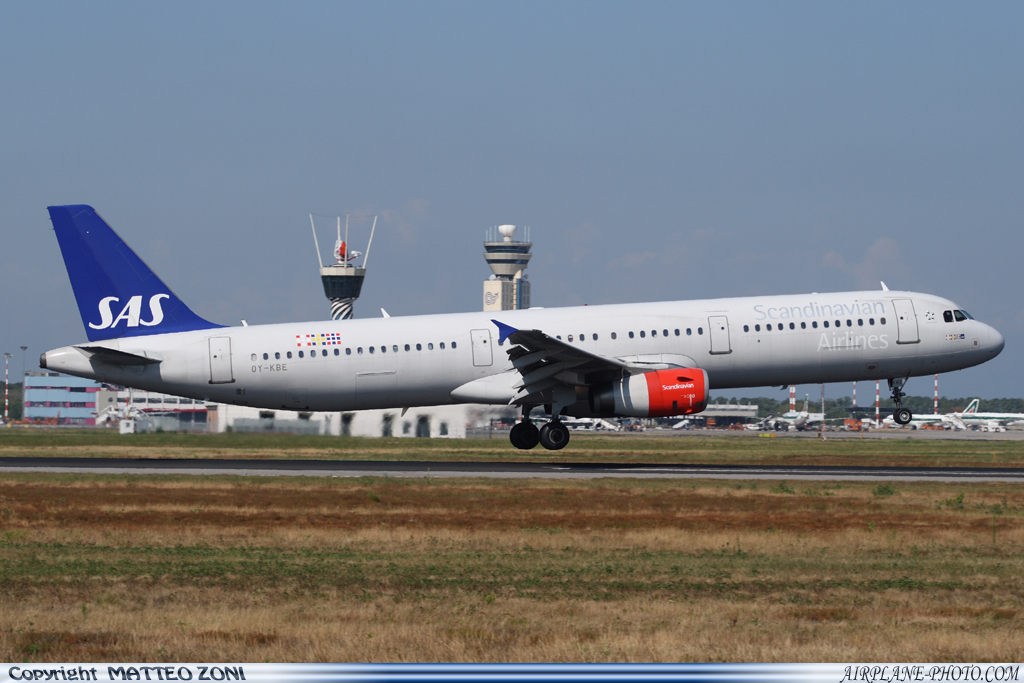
(995, 341)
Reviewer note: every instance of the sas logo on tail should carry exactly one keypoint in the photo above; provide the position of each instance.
(132, 312)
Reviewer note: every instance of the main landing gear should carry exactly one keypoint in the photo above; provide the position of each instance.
(901, 416)
(524, 435)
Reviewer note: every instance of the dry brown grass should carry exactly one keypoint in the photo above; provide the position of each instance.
(219, 568)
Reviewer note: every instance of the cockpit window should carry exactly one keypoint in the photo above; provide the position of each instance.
(947, 316)
(959, 316)
(969, 316)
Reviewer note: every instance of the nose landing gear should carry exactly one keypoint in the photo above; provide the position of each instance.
(901, 416)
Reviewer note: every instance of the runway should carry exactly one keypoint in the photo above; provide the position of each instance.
(500, 470)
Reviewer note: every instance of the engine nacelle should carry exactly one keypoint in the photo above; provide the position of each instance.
(660, 393)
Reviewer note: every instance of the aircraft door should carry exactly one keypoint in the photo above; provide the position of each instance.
(481, 347)
(906, 321)
(220, 360)
(718, 326)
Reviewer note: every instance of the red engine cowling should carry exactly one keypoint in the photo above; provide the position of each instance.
(659, 393)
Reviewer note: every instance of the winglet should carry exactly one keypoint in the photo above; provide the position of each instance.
(504, 331)
(884, 288)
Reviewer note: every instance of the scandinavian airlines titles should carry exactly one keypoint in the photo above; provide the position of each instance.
(132, 312)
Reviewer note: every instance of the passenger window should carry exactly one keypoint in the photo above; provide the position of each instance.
(746, 328)
(348, 352)
(595, 336)
(383, 349)
(359, 351)
(453, 345)
(871, 321)
(825, 323)
(664, 333)
(757, 328)
(614, 336)
(430, 346)
(372, 349)
(700, 330)
(570, 337)
(947, 316)
(631, 335)
(792, 326)
(277, 355)
(688, 332)
(814, 324)
(441, 345)
(860, 322)
(849, 323)
(768, 327)
(803, 326)
(406, 347)
(394, 348)
(881, 321)
(583, 337)
(677, 331)
(301, 355)
(324, 352)
(839, 323)
(654, 333)
(642, 334)
(959, 316)
(337, 352)
(419, 347)
(266, 356)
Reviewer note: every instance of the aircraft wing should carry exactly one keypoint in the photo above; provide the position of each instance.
(545, 363)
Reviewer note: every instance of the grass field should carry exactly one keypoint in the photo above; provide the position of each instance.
(97, 568)
(742, 449)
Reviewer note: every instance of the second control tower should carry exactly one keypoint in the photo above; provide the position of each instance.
(507, 288)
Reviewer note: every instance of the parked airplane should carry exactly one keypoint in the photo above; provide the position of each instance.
(623, 360)
(946, 421)
(987, 420)
(789, 420)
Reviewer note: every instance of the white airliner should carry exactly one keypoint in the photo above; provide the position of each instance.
(987, 420)
(624, 360)
(789, 420)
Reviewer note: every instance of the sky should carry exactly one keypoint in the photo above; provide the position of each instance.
(658, 151)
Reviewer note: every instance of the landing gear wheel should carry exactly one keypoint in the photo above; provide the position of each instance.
(524, 436)
(902, 416)
(554, 436)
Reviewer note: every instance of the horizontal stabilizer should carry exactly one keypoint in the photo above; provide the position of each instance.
(115, 357)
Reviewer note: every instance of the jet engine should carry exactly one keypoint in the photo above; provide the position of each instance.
(659, 393)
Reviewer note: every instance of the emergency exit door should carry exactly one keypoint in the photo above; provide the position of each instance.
(718, 326)
(220, 360)
(481, 347)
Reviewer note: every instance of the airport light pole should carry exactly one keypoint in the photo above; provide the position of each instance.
(23, 350)
(7, 386)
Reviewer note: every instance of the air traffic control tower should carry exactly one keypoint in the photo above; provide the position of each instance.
(343, 281)
(507, 288)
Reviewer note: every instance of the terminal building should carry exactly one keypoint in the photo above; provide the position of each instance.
(53, 398)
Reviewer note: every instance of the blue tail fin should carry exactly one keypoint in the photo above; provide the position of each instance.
(118, 295)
